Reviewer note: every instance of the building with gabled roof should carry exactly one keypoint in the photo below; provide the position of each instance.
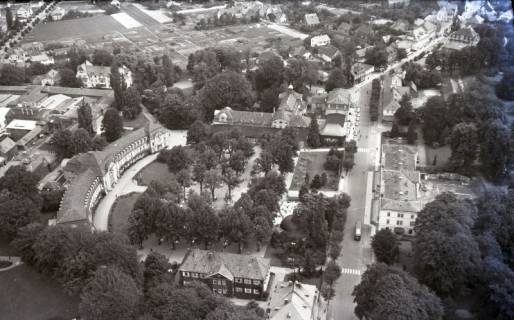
(321, 40)
(294, 300)
(311, 19)
(328, 53)
(99, 76)
(8, 149)
(229, 274)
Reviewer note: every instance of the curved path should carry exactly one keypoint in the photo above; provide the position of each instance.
(16, 261)
(126, 184)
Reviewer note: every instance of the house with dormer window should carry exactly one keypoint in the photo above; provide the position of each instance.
(228, 274)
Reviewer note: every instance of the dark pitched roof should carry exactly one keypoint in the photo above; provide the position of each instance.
(73, 207)
(329, 51)
(6, 145)
(228, 264)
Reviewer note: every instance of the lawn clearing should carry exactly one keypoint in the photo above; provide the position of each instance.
(84, 28)
(312, 163)
(157, 171)
(28, 295)
(120, 212)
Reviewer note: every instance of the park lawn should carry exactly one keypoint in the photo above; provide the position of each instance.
(312, 163)
(154, 171)
(27, 294)
(120, 212)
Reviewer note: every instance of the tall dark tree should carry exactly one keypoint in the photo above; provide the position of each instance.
(111, 294)
(131, 103)
(81, 141)
(495, 150)
(69, 78)
(390, 294)
(464, 144)
(9, 18)
(15, 213)
(117, 84)
(435, 121)
(11, 75)
(236, 226)
(336, 79)
(197, 132)
(62, 142)
(202, 222)
(314, 138)
(156, 269)
(446, 253)
(385, 246)
(85, 118)
(23, 183)
(112, 125)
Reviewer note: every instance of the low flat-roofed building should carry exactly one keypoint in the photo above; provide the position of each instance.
(54, 101)
(28, 138)
(18, 128)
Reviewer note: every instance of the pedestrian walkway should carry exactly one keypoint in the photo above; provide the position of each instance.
(363, 150)
(16, 261)
(356, 272)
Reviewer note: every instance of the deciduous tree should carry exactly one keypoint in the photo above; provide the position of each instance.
(112, 125)
(385, 246)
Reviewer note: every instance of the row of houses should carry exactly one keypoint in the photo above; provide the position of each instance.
(335, 112)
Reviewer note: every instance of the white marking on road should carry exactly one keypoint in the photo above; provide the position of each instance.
(356, 272)
(362, 149)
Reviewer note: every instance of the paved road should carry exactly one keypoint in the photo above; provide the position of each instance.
(126, 185)
(357, 254)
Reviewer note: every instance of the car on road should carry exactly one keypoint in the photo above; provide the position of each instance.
(358, 231)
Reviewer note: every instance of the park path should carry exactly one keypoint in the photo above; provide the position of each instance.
(16, 261)
(126, 183)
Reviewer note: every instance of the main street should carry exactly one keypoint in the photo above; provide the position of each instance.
(356, 255)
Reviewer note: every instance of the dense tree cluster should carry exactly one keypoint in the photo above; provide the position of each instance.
(112, 124)
(20, 201)
(68, 143)
(374, 102)
(388, 293)
(278, 150)
(422, 78)
(377, 56)
(226, 19)
(320, 222)
(470, 122)
(385, 246)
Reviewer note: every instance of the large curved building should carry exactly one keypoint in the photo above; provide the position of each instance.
(90, 175)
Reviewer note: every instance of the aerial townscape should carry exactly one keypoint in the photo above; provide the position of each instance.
(257, 160)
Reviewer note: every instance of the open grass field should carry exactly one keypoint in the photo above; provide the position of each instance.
(312, 163)
(154, 171)
(85, 28)
(120, 212)
(28, 295)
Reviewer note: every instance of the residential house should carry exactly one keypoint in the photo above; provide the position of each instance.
(228, 274)
(392, 53)
(361, 71)
(58, 13)
(466, 35)
(397, 3)
(290, 113)
(99, 76)
(24, 13)
(364, 31)
(294, 300)
(311, 19)
(300, 51)
(389, 110)
(42, 58)
(400, 25)
(51, 78)
(319, 41)
(328, 53)
(344, 29)
(7, 149)
(360, 54)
